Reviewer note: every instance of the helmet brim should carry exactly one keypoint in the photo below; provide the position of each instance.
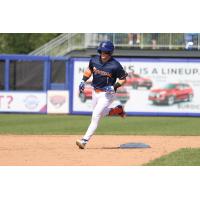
(99, 50)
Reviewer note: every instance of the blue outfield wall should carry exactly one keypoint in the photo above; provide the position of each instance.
(46, 68)
(138, 99)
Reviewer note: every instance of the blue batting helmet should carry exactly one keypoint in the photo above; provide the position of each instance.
(105, 46)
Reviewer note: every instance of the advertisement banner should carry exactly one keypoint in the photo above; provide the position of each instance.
(154, 86)
(31, 102)
(57, 102)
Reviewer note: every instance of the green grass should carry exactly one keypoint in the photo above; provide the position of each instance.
(75, 124)
(182, 157)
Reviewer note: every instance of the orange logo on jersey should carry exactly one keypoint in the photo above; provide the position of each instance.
(103, 73)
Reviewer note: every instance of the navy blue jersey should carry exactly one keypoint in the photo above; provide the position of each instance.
(105, 74)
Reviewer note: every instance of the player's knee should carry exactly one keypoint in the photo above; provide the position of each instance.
(96, 116)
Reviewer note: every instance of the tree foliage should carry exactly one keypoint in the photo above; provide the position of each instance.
(23, 43)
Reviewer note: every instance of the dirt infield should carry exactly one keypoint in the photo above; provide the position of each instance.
(101, 151)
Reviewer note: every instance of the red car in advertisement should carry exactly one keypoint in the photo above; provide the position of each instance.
(121, 94)
(135, 80)
(171, 93)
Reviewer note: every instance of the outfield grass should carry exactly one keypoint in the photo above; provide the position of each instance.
(75, 124)
(182, 157)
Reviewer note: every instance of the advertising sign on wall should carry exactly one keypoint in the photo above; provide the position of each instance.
(154, 87)
(81, 102)
(58, 102)
(33, 102)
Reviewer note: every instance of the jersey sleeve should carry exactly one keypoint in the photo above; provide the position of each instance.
(121, 73)
(90, 67)
(88, 71)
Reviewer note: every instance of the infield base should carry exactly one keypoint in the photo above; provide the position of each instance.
(134, 145)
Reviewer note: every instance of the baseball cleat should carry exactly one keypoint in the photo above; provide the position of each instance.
(121, 111)
(81, 143)
(118, 110)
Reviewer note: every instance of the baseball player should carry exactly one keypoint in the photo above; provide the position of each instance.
(108, 75)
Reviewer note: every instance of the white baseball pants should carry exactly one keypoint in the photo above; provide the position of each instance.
(100, 102)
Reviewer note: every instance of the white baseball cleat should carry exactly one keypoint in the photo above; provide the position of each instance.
(81, 143)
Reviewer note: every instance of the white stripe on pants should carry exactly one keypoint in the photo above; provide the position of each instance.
(101, 102)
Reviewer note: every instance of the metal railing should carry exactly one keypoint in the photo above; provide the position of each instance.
(67, 42)
(60, 45)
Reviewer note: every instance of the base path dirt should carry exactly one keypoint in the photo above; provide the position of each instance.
(48, 150)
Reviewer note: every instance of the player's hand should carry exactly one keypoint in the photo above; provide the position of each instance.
(109, 89)
(81, 86)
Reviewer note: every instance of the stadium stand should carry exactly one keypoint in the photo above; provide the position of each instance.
(67, 43)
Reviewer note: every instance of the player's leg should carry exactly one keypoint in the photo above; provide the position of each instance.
(103, 102)
(94, 99)
(82, 142)
(116, 109)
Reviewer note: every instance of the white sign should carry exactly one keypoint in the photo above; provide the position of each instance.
(58, 102)
(80, 104)
(153, 86)
(23, 102)
(175, 86)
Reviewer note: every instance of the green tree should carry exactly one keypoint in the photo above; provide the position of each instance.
(23, 43)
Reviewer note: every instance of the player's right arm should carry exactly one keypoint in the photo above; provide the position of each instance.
(86, 75)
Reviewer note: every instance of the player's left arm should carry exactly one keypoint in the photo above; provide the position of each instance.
(119, 83)
(122, 81)
(122, 74)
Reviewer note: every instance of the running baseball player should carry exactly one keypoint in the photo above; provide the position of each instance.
(108, 75)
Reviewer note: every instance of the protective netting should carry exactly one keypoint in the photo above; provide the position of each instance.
(26, 75)
(2, 63)
(58, 71)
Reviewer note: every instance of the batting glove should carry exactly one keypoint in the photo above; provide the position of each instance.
(109, 89)
(81, 86)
